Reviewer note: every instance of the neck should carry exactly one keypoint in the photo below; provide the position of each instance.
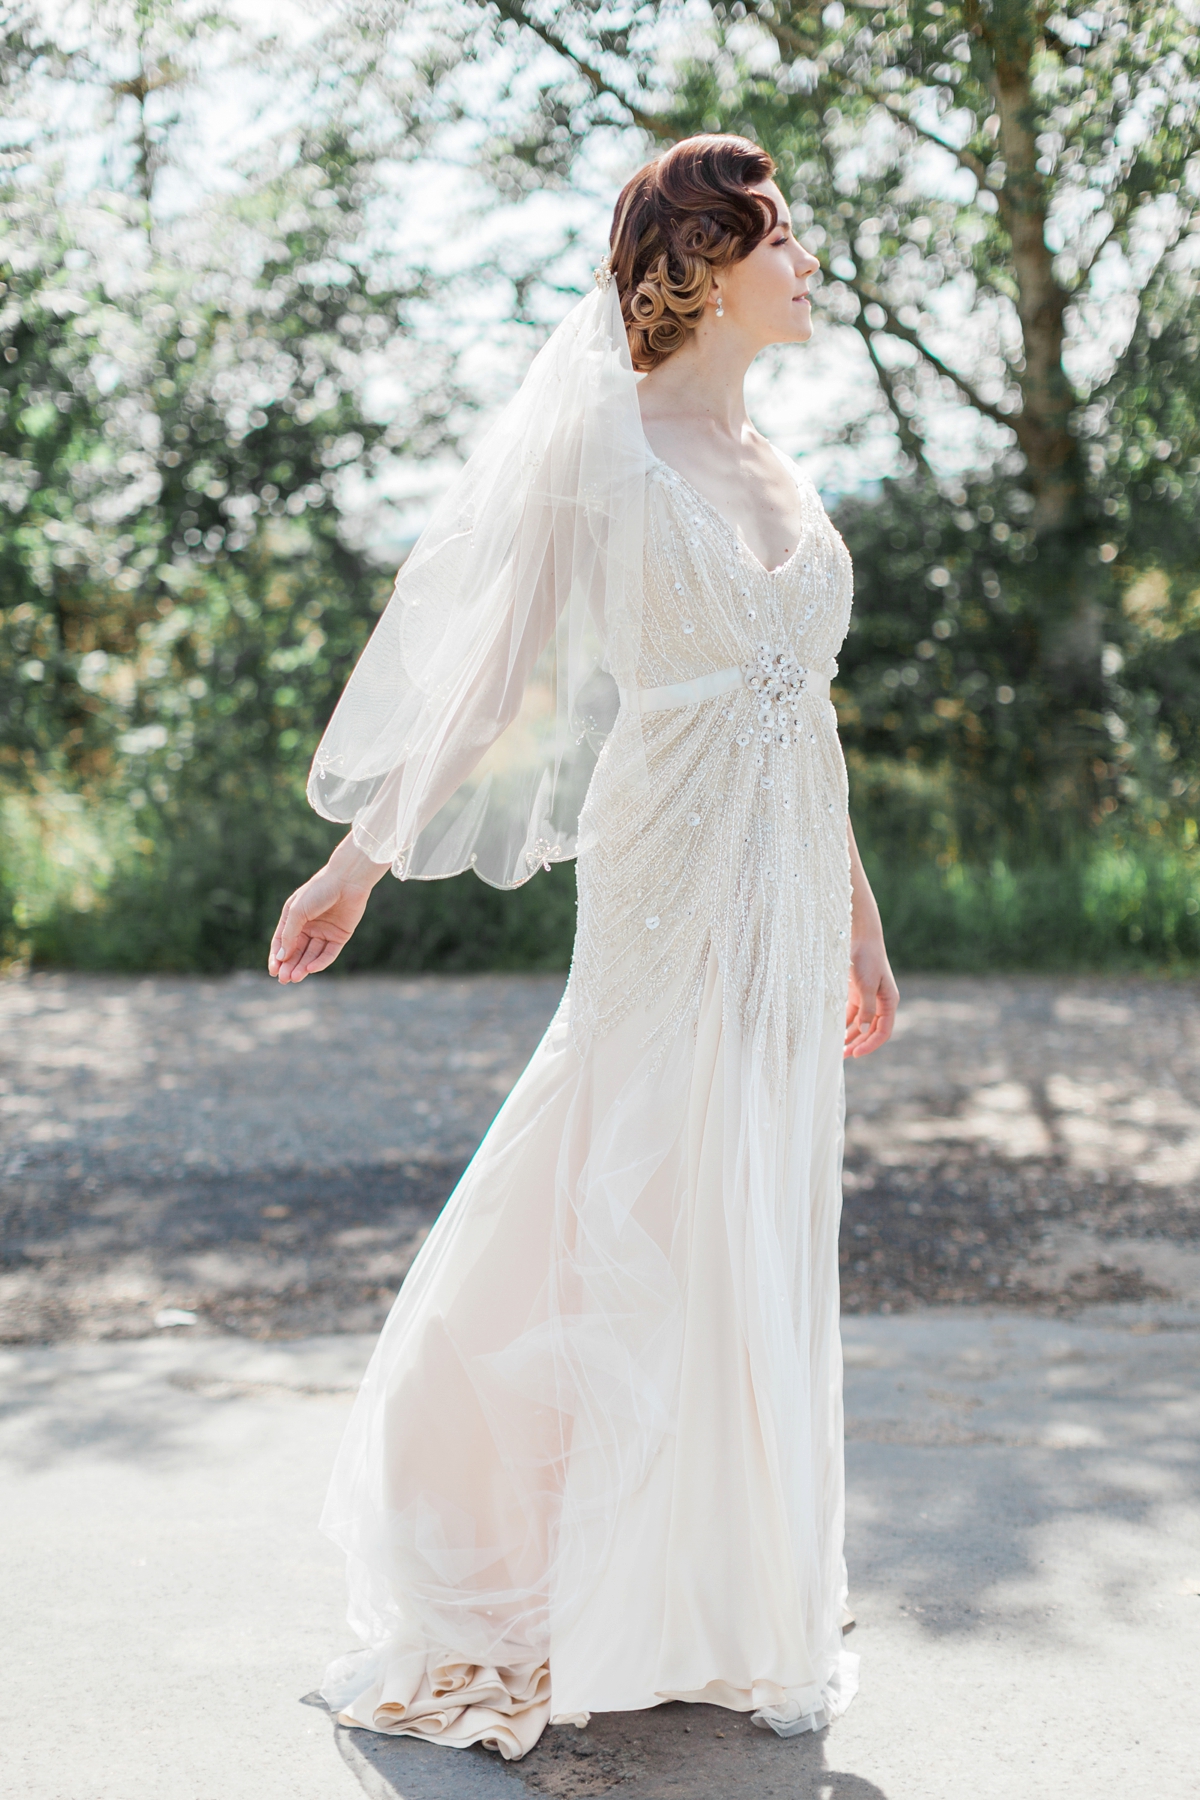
(702, 382)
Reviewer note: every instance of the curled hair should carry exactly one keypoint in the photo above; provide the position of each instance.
(684, 216)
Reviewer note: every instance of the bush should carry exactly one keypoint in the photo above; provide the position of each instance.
(1117, 910)
(206, 899)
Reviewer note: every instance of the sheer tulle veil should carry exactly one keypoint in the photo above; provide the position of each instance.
(467, 734)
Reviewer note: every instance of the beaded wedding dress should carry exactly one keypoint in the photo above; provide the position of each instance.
(596, 1461)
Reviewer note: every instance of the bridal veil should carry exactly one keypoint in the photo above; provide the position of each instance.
(468, 732)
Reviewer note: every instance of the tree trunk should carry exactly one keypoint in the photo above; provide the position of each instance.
(1070, 627)
(1050, 448)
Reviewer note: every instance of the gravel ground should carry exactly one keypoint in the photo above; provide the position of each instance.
(1029, 1140)
(270, 1159)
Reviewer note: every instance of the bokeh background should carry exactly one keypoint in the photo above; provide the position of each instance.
(266, 273)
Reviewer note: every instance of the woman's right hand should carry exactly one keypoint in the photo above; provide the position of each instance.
(320, 917)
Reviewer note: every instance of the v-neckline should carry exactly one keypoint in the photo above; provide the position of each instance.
(719, 516)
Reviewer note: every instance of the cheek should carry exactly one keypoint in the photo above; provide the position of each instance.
(765, 288)
(783, 276)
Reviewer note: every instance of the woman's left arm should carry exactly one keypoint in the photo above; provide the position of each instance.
(874, 996)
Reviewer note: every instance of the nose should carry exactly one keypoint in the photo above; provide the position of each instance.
(806, 262)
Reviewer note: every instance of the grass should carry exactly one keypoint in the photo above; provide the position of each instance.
(1113, 909)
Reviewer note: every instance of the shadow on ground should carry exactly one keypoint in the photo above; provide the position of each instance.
(272, 1253)
(672, 1752)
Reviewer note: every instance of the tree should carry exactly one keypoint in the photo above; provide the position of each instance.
(186, 425)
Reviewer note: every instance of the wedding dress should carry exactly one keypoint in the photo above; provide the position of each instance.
(596, 1460)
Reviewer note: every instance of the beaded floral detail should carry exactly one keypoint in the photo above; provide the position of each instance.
(776, 678)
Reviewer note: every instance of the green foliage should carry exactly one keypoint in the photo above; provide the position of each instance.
(1112, 901)
(208, 902)
(180, 598)
(941, 669)
(172, 542)
(1115, 910)
(944, 725)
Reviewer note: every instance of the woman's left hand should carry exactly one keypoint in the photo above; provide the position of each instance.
(874, 997)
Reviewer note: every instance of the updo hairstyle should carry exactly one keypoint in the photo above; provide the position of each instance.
(684, 216)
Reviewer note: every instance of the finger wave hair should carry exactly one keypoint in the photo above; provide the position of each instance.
(686, 215)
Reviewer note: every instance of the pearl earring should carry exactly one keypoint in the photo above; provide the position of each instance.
(720, 307)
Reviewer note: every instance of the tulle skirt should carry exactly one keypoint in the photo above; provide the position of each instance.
(596, 1460)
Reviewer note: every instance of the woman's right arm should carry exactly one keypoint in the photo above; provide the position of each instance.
(320, 917)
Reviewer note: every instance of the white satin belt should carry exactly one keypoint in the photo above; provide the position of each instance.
(706, 687)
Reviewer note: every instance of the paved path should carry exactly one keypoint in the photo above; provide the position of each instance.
(1023, 1537)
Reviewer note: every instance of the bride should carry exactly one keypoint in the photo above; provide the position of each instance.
(596, 1460)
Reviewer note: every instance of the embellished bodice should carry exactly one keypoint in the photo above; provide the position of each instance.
(710, 602)
(737, 844)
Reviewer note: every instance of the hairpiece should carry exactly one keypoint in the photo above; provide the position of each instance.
(603, 272)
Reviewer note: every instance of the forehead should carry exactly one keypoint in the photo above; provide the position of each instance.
(771, 192)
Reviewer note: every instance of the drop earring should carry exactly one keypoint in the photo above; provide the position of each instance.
(720, 307)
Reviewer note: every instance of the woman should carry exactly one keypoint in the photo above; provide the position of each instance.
(596, 1461)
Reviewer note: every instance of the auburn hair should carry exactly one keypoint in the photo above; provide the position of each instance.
(687, 214)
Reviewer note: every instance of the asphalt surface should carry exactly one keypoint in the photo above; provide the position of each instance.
(1023, 1535)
